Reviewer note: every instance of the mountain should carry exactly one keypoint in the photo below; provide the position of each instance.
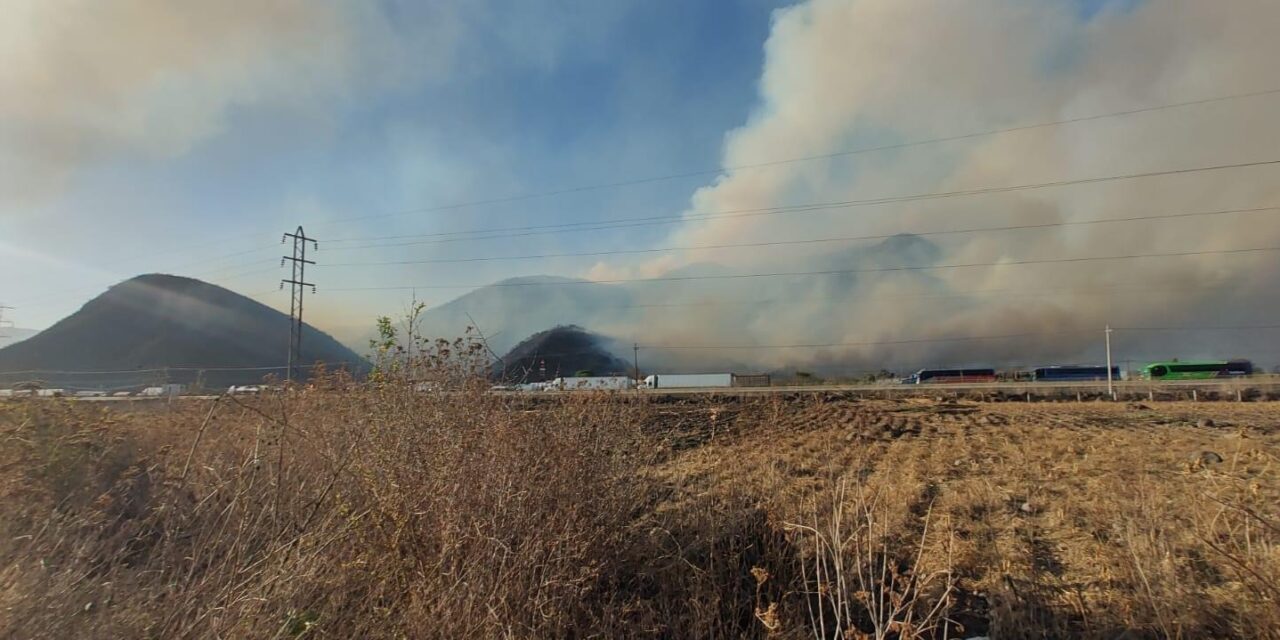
(161, 321)
(700, 304)
(510, 309)
(561, 351)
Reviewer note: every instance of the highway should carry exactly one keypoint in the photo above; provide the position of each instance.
(1261, 387)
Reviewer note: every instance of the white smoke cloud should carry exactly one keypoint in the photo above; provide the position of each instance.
(843, 74)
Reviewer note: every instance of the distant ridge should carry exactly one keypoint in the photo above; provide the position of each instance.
(158, 321)
(506, 313)
(710, 311)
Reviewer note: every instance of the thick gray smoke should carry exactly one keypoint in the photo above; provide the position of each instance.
(842, 74)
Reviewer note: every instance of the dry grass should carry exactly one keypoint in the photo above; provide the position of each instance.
(1049, 520)
(374, 511)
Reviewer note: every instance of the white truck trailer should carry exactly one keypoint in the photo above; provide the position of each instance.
(689, 380)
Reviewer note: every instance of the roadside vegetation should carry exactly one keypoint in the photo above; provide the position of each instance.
(378, 511)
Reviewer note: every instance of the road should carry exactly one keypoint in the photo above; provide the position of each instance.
(1126, 389)
(1123, 389)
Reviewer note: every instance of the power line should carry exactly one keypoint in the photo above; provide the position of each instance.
(811, 207)
(1249, 327)
(568, 227)
(245, 274)
(827, 156)
(878, 343)
(768, 243)
(136, 258)
(822, 272)
(826, 345)
(1042, 292)
(778, 162)
(66, 293)
(770, 163)
(774, 243)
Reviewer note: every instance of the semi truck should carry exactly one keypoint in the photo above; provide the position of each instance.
(688, 380)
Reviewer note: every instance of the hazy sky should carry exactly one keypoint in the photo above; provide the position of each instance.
(149, 135)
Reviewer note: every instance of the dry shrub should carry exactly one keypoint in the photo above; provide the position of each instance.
(372, 512)
(868, 573)
(715, 567)
(377, 510)
(486, 521)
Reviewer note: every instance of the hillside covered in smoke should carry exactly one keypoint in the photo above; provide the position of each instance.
(892, 282)
(902, 240)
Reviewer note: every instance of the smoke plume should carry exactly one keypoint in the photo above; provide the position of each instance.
(847, 74)
(851, 74)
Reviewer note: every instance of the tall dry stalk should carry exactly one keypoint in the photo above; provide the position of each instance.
(860, 582)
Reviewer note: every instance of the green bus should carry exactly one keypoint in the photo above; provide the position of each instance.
(1197, 370)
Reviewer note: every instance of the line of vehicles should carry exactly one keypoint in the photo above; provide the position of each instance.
(157, 391)
(1158, 371)
(36, 391)
(653, 381)
(1171, 370)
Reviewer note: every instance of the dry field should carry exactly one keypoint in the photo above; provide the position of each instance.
(376, 512)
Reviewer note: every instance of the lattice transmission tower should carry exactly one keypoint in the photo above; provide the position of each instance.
(298, 284)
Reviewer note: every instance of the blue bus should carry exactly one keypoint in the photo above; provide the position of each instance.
(1077, 373)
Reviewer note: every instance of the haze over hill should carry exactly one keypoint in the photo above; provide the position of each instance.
(860, 316)
(691, 301)
(160, 321)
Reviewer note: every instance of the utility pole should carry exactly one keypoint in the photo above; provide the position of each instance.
(1110, 390)
(635, 359)
(297, 284)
